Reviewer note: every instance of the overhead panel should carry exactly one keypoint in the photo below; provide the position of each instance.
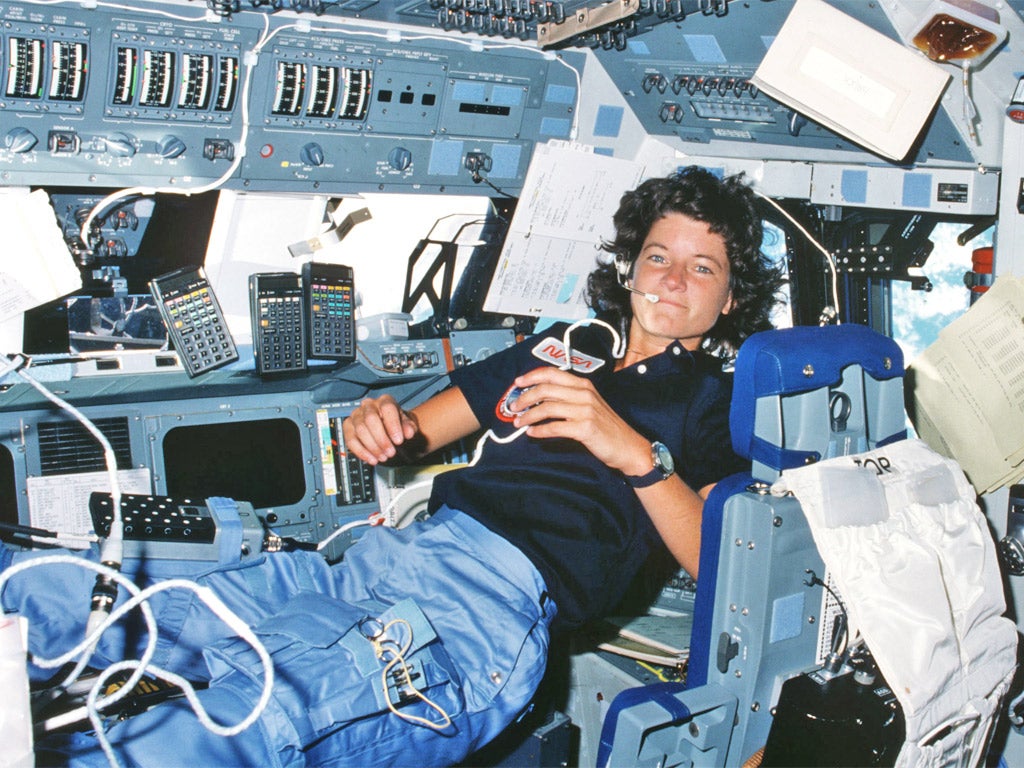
(689, 81)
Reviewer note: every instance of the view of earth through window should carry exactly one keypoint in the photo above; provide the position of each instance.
(919, 315)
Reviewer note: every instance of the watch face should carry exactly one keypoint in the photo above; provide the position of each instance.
(663, 458)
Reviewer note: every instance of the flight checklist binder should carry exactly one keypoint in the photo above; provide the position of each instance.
(851, 79)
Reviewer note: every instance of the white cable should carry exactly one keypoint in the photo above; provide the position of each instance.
(249, 61)
(112, 547)
(969, 110)
(114, 541)
(574, 130)
(156, 11)
(389, 509)
(618, 352)
(828, 256)
(119, 7)
(346, 527)
(10, 363)
(1014, 710)
(239, 627)
(142, 666)
(85, 647)
(69, 541)
(618, 343)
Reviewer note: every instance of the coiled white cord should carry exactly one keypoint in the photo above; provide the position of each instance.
(139, 599)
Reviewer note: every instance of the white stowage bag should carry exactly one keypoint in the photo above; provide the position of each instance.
(15, 714)
(911, 554)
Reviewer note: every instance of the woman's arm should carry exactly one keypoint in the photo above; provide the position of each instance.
(378, 428)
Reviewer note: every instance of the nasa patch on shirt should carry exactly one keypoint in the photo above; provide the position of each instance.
(504, 408)
(551, 350)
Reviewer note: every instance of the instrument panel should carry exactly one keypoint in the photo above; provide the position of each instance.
(180, 99)
(274, 443)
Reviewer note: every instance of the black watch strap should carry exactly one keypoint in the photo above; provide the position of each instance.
(662, 468)
(643, 481)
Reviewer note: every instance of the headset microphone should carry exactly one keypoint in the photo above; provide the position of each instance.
(651, 297)
(622, 268)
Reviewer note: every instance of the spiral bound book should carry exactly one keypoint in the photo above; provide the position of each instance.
(657, 637)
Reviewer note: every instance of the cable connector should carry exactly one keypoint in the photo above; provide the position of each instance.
(104, 595)
(104, 592)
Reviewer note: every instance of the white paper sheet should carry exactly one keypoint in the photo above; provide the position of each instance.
(569, 197)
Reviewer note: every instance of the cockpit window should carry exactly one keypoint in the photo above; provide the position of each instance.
(774, 247)
(918, 315)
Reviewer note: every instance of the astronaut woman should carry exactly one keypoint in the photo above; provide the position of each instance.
(587, 472)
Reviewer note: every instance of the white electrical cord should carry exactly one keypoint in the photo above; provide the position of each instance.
(970, 111)
(828, 256)
(344, 529)
(111, 551)
(139, 599)
(618, 352)
(112, 546)
(83, 651)
(249, 60)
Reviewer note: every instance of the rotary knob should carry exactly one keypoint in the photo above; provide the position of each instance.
(20, 140)
(170, 147)
(400, 158)
(312, 154)
(120, 145)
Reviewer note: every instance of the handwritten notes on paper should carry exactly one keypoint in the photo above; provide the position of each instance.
(565, 210)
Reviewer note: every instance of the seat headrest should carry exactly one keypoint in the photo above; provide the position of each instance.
(828, 382)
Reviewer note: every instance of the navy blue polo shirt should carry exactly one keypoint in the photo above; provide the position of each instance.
(579, 521)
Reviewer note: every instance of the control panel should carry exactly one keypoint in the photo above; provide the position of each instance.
(691, 81)
(424, 357)
(173, 440)
(179, 98)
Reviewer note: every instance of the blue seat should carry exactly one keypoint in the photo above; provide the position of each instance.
(800, 395)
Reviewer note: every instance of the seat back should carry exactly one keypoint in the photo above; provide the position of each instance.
(805, 394)
(800, 395)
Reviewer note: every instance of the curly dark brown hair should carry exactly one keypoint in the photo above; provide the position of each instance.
(729, 207)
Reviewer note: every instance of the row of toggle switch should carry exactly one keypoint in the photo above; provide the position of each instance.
(705, 84)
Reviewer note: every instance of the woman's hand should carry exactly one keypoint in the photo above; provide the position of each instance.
(376, 429)
(558, 403)
(380, 428)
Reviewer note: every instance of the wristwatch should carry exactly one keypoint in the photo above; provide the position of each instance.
(663, 467)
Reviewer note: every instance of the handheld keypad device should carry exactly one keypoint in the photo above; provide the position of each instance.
(330, 309)
(194, 319)
(278, 322)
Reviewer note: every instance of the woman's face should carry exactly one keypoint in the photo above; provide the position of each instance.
(686, 266)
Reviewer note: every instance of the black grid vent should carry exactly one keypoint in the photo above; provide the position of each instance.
(66, 447)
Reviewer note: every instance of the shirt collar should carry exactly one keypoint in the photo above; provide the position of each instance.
(675, 358)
